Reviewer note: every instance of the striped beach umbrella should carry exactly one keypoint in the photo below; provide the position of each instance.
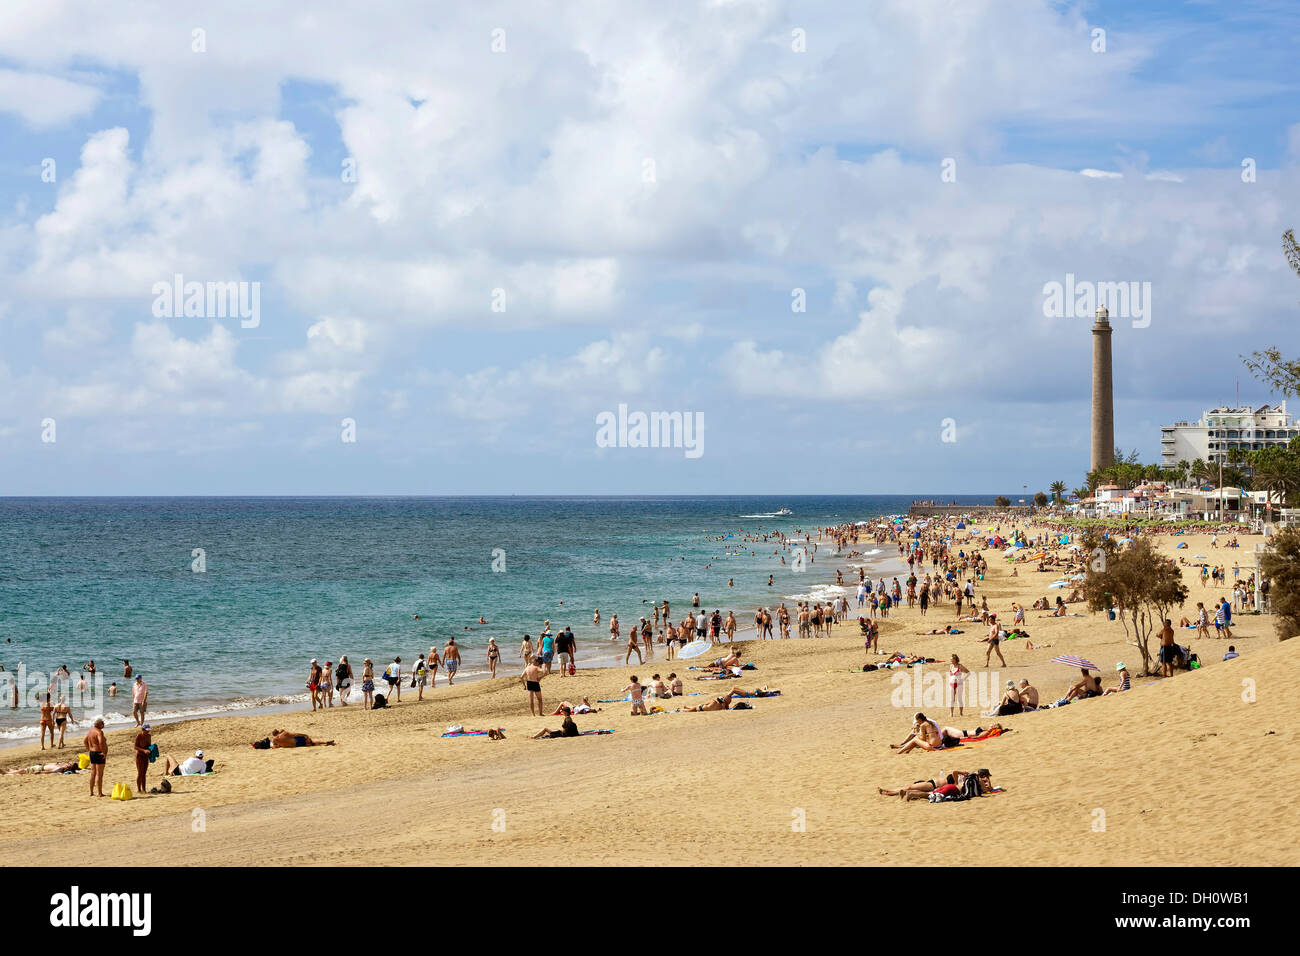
(1075, 662)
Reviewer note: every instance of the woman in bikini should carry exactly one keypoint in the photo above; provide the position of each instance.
(493, 656)
(368, 685)
(922, 789)
(433, 662)
(47, 720)
(957, 672)
(62, 715)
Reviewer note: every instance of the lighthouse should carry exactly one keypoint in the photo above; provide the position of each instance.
(1103, 398)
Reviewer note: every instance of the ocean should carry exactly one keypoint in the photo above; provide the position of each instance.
(222, 602)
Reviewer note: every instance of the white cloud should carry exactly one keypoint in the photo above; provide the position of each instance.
(43, 100)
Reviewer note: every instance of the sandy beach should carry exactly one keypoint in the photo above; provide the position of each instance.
(1142, 777)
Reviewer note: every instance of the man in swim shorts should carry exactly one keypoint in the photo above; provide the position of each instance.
(451, 660)
(97, 747)
(532, 678)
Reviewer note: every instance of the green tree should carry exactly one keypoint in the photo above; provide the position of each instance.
(1040, 500)
(1280, 564)
(1002, 501)
(1140, 579)
(1057, 488)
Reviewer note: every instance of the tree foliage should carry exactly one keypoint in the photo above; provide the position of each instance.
(1281, 565)
(1138, 579)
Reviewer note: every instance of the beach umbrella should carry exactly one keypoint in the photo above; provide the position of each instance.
(1075, 547)
(695, 649)
(1079, 577)
(1201, 556)
(1075, 662)
(1058, 584)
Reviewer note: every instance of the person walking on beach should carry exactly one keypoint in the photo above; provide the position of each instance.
(97, 747)
(326, 685)
(993, 640)
(493, 656)
(143, 740)
(1168, 650)
(62, 717)
(563, 643)
(632, 645)
(393, 676)
(546, 648)
(313, 683)
(343, 676)
(647, 639)
(532, 678)
(419, 675)
(526, 650)
(139, 699)
(367, 684)
(451, 660)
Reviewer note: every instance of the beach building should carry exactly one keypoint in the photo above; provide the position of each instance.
(1222, 431)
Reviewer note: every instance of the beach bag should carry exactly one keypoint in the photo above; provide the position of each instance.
(456, 729)
(572, 669)
(380, 702)
(83, 761)
(153, 753)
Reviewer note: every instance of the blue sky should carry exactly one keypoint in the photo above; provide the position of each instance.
(647, 186)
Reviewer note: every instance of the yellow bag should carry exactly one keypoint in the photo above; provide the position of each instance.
(126, 792)
(117, 792)
(83, 761)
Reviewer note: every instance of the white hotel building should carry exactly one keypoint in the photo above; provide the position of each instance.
(1221, 430)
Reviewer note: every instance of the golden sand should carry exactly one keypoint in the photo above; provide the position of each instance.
(1195, 770)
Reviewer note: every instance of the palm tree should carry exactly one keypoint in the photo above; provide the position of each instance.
(1081, 493)
(1202, 472)
(1057, 488)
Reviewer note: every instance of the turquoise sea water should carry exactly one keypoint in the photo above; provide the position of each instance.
(289, 579)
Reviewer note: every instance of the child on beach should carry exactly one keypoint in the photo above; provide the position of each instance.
(638, 704)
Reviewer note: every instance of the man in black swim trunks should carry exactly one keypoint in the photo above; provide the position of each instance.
(97, 747)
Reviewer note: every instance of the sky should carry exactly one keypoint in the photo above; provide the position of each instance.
(823, 230)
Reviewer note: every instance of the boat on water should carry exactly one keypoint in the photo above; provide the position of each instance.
(785, 511)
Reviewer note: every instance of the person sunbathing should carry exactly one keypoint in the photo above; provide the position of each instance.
(956, 733)
(285, 738)
(718, 703)
(583, 708)
(736, 692)
(65, 766)
(941, 630)
(724, 663)
(921, 789)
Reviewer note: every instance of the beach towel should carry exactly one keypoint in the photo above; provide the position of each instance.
(471, 733)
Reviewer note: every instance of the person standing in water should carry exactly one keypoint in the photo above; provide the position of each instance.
(139, 700)
(493, 655)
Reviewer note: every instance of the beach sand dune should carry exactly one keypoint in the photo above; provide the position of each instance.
(1189, 771)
